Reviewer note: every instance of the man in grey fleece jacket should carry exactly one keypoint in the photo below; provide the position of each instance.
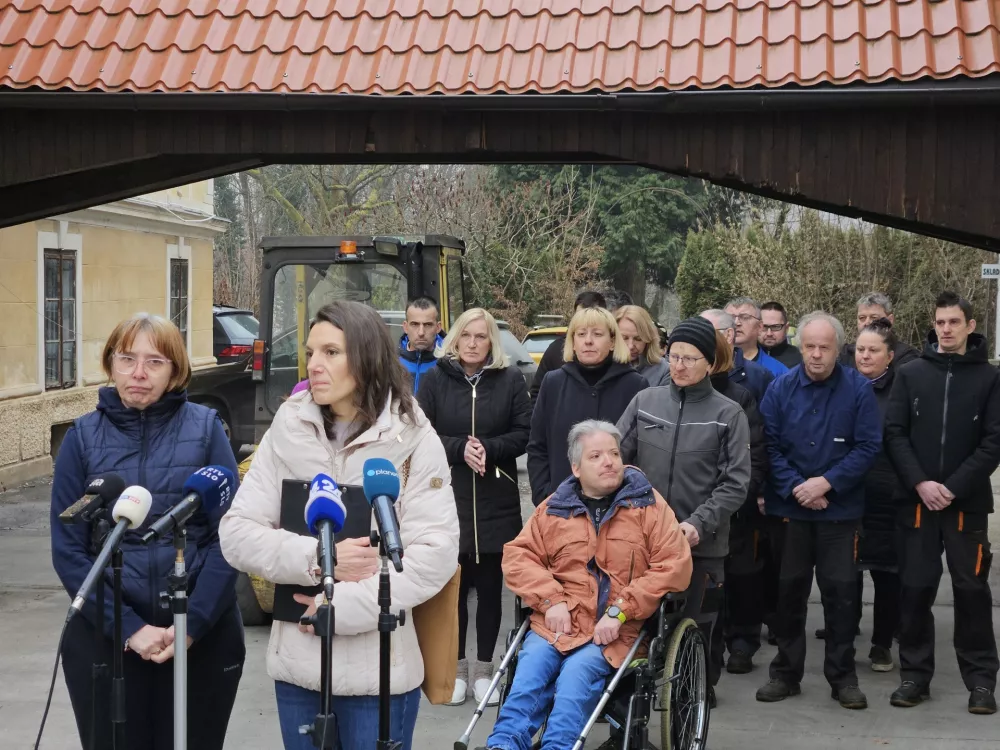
(693, 444)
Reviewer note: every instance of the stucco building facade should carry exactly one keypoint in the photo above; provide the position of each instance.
(65, 282)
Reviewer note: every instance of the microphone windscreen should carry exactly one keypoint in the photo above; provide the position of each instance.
(213, 484)
(107, 486)
(133, 505)
(325, 504)
(379, 477)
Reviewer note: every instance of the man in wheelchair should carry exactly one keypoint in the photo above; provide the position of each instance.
(593, 562)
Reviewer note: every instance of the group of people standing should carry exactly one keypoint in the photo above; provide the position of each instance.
(781, 462)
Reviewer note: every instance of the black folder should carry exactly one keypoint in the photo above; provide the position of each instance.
(358, 523)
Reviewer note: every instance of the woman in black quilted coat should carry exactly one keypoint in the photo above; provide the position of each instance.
(877, 544)
(480, 408)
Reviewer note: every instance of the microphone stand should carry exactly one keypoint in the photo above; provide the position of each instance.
(118, 680)
(324, 731)
(99, 668)
(386, 624)
(178, 603)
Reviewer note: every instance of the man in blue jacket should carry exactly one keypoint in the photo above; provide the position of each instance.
(747, 318)
(752, 376)
(823, 432)
(421, 336)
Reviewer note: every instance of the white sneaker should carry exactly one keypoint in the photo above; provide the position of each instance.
(481, 686)
(461, 691)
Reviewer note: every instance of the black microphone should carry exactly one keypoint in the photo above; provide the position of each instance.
(381, 485)
(210, 488)
(128, 513)
(102, 490)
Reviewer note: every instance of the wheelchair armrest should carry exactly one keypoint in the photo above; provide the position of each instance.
(521, 613)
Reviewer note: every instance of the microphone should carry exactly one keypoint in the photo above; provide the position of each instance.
(101, 491)
(381, 485)
(325, 514)
(129, 512)
(209, 488)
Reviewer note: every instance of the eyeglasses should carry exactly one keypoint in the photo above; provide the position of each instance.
(126, 364)
(676, 359)
(742, 317)
(774, 327)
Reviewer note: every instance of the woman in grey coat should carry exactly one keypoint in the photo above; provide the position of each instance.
(643, 341)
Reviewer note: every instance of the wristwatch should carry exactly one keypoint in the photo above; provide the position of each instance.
(615, 611)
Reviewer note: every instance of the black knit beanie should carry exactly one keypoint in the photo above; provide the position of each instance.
(698, 332)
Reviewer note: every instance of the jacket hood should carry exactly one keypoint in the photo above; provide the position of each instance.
(616, 370)
(109, 403)
(975, 352)
(635, 491)
(405, 353)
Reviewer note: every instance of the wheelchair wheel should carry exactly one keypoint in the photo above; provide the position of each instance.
(684, 694)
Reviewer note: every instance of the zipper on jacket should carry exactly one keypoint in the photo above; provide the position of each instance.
(150, 549)
(944, 420)
(673, 452)
(475, 515)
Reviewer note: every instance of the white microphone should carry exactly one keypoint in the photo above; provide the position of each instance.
(129, 512)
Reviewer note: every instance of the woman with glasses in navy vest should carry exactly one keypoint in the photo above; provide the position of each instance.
(146, 431)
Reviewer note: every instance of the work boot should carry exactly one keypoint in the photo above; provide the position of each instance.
(850, 696)
(739, 662)
(982, 701)
(461, 684)
(881, 659)
(910, 694)
(777, 690)
(482, 674)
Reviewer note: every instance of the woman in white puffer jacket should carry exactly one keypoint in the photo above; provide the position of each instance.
(358, 406)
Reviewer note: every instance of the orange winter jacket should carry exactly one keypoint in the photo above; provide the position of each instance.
(639, 555)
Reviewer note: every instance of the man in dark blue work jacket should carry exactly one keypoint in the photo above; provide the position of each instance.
(823, 432)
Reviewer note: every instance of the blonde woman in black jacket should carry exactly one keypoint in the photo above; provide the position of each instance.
(481, 410)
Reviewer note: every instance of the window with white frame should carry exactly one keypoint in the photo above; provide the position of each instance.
(179, 294)
(60, 318)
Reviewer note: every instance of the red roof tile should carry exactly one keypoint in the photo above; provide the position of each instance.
(485, 46)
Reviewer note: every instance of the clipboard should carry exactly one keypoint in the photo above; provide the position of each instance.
(357, 524)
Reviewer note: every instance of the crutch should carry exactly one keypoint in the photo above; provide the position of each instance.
(462, 743)
(606, 695)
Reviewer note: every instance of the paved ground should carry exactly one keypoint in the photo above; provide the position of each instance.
(32, 608)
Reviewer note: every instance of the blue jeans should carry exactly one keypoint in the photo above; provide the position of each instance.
(357, 717)
(570, 684)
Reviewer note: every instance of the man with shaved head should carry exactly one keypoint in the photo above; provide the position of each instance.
(823, 433)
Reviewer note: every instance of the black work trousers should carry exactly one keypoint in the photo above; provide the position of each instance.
(829, 547)
(749, 596)
(215, 666)
(963, 537)
(704, 604)
(885, 612)
(486, 577)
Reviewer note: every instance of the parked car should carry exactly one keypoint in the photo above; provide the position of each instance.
(537, 340)
(233, 333)
(520, 357)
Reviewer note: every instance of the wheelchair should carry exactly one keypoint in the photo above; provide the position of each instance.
(671, 679)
